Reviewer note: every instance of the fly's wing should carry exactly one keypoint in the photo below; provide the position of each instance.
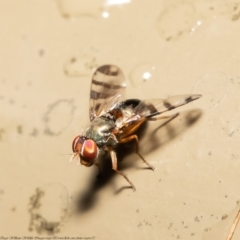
(108, 83)
(159, 106)
(150, 108)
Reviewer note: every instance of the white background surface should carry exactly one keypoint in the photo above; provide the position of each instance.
(48, 52)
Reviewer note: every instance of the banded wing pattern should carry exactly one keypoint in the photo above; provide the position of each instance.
(148, 109)
(159, 106)
(108, 83)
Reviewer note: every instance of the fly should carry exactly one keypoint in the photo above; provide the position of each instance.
(114, 122)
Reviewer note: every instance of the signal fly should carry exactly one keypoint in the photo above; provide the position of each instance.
(114, 122)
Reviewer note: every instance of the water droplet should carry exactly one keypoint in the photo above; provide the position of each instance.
(176, 20)
(142, 74)
(58, 117)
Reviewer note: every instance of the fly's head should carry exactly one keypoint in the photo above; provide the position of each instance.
(86, 150)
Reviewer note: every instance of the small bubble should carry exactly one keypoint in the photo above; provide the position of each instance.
(105, 14)
(141, 74)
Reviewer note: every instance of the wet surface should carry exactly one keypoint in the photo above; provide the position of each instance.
(164, 48)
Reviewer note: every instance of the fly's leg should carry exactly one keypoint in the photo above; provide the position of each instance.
(134, 137)
(169, 118)
(114, 167)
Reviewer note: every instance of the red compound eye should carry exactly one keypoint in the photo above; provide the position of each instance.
(89, 150)
(86, 149)
(77, 144)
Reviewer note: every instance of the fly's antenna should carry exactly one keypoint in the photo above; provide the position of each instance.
(75, 156)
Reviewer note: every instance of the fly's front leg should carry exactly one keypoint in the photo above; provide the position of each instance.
(114, 167)
(134, 137)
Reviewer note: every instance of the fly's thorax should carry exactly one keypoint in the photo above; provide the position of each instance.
(100, 130)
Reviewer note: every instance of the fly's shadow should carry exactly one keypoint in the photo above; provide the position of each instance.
(162, 134)
(86, 200)
(167, 131)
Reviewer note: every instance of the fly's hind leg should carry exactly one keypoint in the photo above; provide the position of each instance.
(134, 137)
(114, 167)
